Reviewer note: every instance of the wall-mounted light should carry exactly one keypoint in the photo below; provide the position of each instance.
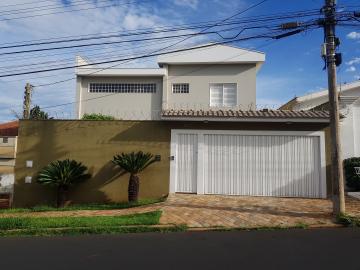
(29, 164)
(28, 179)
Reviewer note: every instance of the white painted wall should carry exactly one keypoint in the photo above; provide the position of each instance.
(125, 106)
(148, 106)
(200, 77)
(356, 121)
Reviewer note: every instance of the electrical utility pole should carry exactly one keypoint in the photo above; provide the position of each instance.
(331, 62)
(27, 101)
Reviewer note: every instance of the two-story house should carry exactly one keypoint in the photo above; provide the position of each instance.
(219, 142)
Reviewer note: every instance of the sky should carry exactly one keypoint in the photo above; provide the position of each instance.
(293, 65)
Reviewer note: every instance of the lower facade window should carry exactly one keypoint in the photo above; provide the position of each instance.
(122, 88)
(223, 94)
(180, 88)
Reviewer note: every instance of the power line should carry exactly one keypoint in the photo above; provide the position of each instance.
(26, 3)
(61, 81)
(146, 56)
(120, 35)
(107, 54)
(73, 10)
(116, 42)
(49, 7)
(58, 62)
(252, 19)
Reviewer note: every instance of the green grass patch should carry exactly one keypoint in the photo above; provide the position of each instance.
(75, 207)
(348, 220)
(36, 223)
(91, 230)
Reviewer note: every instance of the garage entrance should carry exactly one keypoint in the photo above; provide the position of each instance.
(251, 163)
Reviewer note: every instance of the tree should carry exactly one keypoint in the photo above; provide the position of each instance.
(134, 163)
(63, 174)
(37, 114)
(97, 116)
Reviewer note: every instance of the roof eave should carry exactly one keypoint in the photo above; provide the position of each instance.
(247, 119)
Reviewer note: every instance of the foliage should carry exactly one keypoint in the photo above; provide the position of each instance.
(352, 179)
(348, 221)
(93, 230)
(50, 226)
(134, 163)
(62, 174)
(76, 207)
(37, 114)
(97, 116)
(21, 222)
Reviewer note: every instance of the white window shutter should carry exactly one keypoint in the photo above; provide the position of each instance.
(216, 95)
(229, 95)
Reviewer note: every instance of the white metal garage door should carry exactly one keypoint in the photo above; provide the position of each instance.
(187, 159)
(287, 164)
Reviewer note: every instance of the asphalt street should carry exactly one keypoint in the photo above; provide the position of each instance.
(284, 249)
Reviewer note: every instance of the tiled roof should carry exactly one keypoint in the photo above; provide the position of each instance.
(9, 129)
(247, 114)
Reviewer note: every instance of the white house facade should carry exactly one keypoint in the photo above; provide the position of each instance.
(219, 143)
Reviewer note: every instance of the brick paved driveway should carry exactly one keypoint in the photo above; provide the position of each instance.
(239, 211)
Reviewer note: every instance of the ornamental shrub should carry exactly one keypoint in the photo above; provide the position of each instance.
(97, 116)
(352, 179)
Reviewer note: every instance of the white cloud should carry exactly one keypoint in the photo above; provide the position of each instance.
(351, 69)
(354, 61)
(353, 35)
(100, 20)
(187, 3)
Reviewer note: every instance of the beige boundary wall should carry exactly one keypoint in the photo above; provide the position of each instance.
(94, 143)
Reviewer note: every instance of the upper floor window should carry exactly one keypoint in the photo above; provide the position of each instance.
(223, 94)
(5, 140)
(122, 88)
(180, 88)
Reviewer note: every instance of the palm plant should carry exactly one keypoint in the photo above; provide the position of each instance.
(63, 174)
(134, 163)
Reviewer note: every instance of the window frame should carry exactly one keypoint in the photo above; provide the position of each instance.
(222, 95)
(181, 91)
(123, 88)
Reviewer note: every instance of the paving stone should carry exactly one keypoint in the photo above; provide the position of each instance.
(228, 211)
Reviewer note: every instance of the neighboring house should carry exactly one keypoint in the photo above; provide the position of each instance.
(197, 112)
(349, 104)
(8, 138)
